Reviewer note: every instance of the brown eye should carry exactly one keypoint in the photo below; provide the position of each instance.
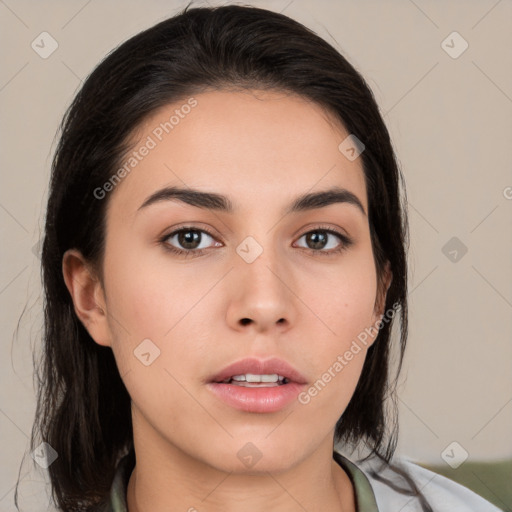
(317, 239)
(321, 239)
(188, 240)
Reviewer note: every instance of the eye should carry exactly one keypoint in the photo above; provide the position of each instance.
(318, 239)
(193, 241)
(189, 240)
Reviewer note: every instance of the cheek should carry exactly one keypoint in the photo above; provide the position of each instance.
(327, 397)
(148, 295)
(343, 298)
(150, 299)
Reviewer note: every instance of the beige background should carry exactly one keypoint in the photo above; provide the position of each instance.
(451, 123)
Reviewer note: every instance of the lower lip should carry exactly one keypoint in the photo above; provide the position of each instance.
(264, 399)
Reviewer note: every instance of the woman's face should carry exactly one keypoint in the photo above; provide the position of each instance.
(254, 281)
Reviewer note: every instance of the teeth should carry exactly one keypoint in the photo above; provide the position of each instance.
(250, 380)
(250, 377)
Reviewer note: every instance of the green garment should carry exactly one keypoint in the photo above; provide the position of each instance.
(364, 496)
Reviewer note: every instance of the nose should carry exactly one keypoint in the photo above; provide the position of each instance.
(261, 296)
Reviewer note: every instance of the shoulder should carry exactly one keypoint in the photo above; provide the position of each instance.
(441, 493)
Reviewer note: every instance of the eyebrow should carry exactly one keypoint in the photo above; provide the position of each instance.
(219, 202)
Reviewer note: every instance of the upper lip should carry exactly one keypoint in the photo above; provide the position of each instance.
(260, 367)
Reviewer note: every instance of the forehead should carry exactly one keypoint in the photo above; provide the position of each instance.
(248, 145)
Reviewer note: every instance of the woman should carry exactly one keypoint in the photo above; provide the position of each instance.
(224, 258)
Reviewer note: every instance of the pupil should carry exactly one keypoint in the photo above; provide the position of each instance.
(315, 236)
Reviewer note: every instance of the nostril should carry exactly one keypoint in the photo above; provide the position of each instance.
(245, 321)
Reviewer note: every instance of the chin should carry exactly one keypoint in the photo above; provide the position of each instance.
(255, 458)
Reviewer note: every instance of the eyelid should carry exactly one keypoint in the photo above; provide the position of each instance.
(323, 227)
(189, 227)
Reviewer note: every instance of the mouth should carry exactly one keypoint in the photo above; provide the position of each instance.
(253, 385)
(253, 372)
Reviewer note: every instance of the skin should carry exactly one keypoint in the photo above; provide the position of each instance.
(262, 149)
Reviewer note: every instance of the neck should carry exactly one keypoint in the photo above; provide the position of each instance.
(166, 476)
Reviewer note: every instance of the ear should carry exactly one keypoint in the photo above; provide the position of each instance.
(87, 294)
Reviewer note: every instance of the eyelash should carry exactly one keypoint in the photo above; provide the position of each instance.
(346, 242)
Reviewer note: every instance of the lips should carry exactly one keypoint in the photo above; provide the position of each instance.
(262, 397)
(258, 367)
